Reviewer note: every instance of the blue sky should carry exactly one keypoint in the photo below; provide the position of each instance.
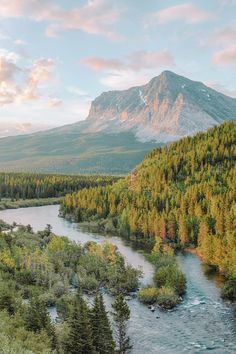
(56, 56)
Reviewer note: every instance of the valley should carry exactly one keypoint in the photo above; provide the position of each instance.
(168, 332)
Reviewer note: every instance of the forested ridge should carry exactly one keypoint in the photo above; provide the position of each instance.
(32, 185)
(182, 195)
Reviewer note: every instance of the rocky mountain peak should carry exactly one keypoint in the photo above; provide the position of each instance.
(168, 107)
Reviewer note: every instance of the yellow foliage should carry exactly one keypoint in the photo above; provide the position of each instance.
(7, 260)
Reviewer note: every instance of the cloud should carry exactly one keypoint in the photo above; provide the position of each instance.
(186, 12)
(225, 56)
(138, 60)
(99, 64)
(134, 69)
(226, 35)
(225, 41)
(21, 84)
(20, 42)
(54, 102)
(122, 79)
(41, 72)
(95, 17)
(77, 92)
(221, 88)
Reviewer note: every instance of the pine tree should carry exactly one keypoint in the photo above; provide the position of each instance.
(37, 318)
(121, 315)
(101, 329)
(79, 340)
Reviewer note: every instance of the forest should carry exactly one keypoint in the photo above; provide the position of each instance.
(31, 185)
(41, 270)
(180, 196)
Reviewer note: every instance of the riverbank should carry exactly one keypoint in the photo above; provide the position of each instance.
(168, 285)
(182, 330)
(27, 203)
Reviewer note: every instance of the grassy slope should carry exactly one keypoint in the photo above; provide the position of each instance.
(67, 150)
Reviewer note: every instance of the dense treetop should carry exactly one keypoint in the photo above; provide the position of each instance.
(181, 195)
(31, 185)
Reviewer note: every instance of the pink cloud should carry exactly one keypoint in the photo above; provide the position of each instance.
(27, 89)
(185, 12)
(136, 61)
(134, 69)
(225, 57)
(99, 64)
(95, 17)
(143, 59)
(226, 35)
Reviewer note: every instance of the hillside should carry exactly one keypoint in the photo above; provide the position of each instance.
(183, 195)
(122, 126)
(67, 150)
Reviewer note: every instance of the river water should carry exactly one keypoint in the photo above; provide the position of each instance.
(202, 323)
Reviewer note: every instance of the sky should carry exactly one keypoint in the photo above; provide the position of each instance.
(56, 56)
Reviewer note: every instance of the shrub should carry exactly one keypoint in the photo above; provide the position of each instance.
(229, 289)
(148, 295)
(172, 277)
(166, 297)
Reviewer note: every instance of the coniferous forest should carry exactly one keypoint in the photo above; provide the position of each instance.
(181, 196)
(30, 185)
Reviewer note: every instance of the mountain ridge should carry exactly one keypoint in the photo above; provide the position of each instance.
(121, 128)
(161, 108)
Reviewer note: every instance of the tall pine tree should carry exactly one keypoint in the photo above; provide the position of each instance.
(79, 339)
(101, 329)
(121, 315)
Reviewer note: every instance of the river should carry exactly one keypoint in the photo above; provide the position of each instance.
(202, 323)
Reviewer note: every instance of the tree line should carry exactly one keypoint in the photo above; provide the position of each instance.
(30, 185)
(182, 195)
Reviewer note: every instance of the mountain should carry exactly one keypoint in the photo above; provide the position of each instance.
(122, 126)
(12, 129)
(167, 108)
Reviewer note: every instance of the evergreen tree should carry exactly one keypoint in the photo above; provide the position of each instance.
(102, 333)
(37, 318)
(121, 315)
(79, 339)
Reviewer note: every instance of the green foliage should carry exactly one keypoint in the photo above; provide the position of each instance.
(80, 338)
(183, 195)
(17, 186)
(167, 297)
(101, 328)
(15, 338)
(170, 276)
(121, 315)
(148, 295)
(229, 289)
(42, 269)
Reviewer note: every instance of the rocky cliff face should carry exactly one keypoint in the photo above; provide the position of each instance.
(168, 107)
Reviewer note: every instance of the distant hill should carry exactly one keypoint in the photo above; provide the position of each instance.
(12, 129)
(122, 126)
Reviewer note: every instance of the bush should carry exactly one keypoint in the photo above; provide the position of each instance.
(89, 283)
(166, 297)
(229, 289)
(172, 277)
(148, 295)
